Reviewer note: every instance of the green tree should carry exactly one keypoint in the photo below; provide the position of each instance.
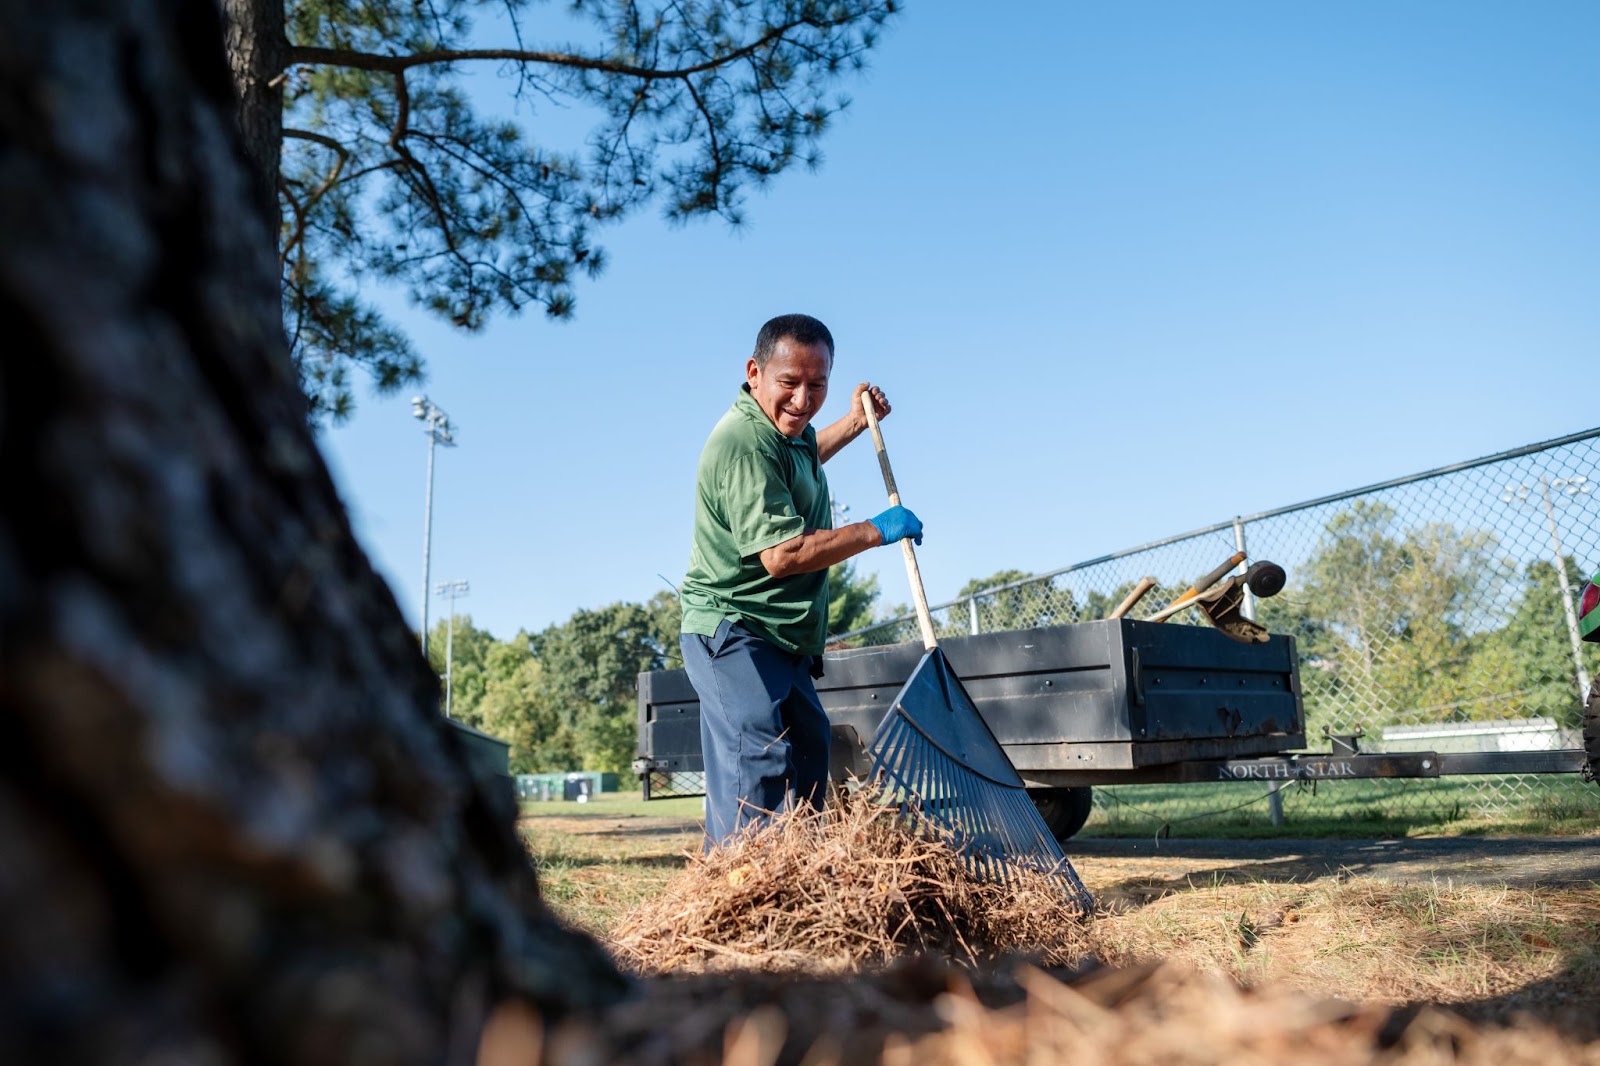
(666, 616)
(376, 164)
(1037, 603)
(1391, 621)
(851, 598)
(519, 707)
(1448, 594)
(1528, 661)
(469, 676)
(592, 662)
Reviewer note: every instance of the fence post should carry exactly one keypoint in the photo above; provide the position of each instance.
(1566, 590)
(972, 610)
(1248, 608)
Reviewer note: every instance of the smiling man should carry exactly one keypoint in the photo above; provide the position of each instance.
(755, 600)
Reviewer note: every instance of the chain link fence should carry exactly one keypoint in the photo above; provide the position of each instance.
(1433, 612)
(672, 784)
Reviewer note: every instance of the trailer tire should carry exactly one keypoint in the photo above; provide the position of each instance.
(1064, 810)
(1591, 731)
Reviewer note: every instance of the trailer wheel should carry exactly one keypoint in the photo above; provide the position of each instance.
(1591, 731)
(1064, 809)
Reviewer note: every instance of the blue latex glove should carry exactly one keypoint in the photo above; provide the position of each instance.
(897, 523)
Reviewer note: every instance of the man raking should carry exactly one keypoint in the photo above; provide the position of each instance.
(755, 599)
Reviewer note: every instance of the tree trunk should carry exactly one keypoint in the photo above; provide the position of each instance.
(234, 825)
(257, 47)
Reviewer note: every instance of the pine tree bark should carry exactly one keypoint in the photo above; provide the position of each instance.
(234, 827)
(257, 46)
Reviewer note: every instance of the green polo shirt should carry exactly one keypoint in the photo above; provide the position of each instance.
(756, 488)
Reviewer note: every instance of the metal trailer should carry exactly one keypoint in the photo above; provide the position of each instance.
(1117, 701)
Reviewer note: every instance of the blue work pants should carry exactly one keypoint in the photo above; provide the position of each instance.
(763, 733)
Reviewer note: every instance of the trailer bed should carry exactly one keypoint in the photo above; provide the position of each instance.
(1066, 702)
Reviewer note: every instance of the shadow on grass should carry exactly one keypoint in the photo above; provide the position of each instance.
(1527, 862)
(643, 862)
(1134, 892)
(1565, 1002)
(585, 822)
(637, 831)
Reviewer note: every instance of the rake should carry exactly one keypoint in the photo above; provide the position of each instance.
(935, 755)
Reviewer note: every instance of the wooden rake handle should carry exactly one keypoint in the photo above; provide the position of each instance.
(918, 596)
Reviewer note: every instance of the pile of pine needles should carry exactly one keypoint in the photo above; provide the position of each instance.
(852, 888)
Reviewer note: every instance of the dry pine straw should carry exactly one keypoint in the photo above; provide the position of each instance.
(927, 1013)
(800, 945)
(856, 890)
(838, 891)
(1367, 939)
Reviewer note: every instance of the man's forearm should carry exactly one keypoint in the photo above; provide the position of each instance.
(818, 549)
(831, 438)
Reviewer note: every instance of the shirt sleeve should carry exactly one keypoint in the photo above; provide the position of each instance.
(758, 504)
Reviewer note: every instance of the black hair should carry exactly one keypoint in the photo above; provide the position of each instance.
(802, 328)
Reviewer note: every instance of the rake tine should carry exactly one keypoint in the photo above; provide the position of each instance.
(994, 828)
(905, 764)
(920, 779)
(977, 798)
(923, 768)
(977, 814)
(894, 756)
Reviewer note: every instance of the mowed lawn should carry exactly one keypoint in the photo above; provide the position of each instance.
(598, 859)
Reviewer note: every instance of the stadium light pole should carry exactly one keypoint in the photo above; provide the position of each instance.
(1569, 487)
(453, 590)
(436, 424)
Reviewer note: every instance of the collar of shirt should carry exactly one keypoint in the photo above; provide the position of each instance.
(746, 405)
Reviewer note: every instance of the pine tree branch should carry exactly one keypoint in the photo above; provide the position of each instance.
(303, 208)
(293, 282)
(299, 211)
(711, 132)
(463, 153)
(312, 55)
(424, 182)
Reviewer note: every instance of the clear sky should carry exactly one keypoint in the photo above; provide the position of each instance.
(1124, 269)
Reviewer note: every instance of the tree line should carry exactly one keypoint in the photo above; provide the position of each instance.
(1428, 623)
(564, 697)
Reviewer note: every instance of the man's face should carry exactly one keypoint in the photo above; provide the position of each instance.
(791, 387)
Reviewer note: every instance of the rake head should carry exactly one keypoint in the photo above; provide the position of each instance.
(935, 755)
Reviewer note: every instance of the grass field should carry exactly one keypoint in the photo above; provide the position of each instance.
(1458, 806)
(598, 859)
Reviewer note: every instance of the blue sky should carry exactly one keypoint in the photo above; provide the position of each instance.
(1123, 269)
